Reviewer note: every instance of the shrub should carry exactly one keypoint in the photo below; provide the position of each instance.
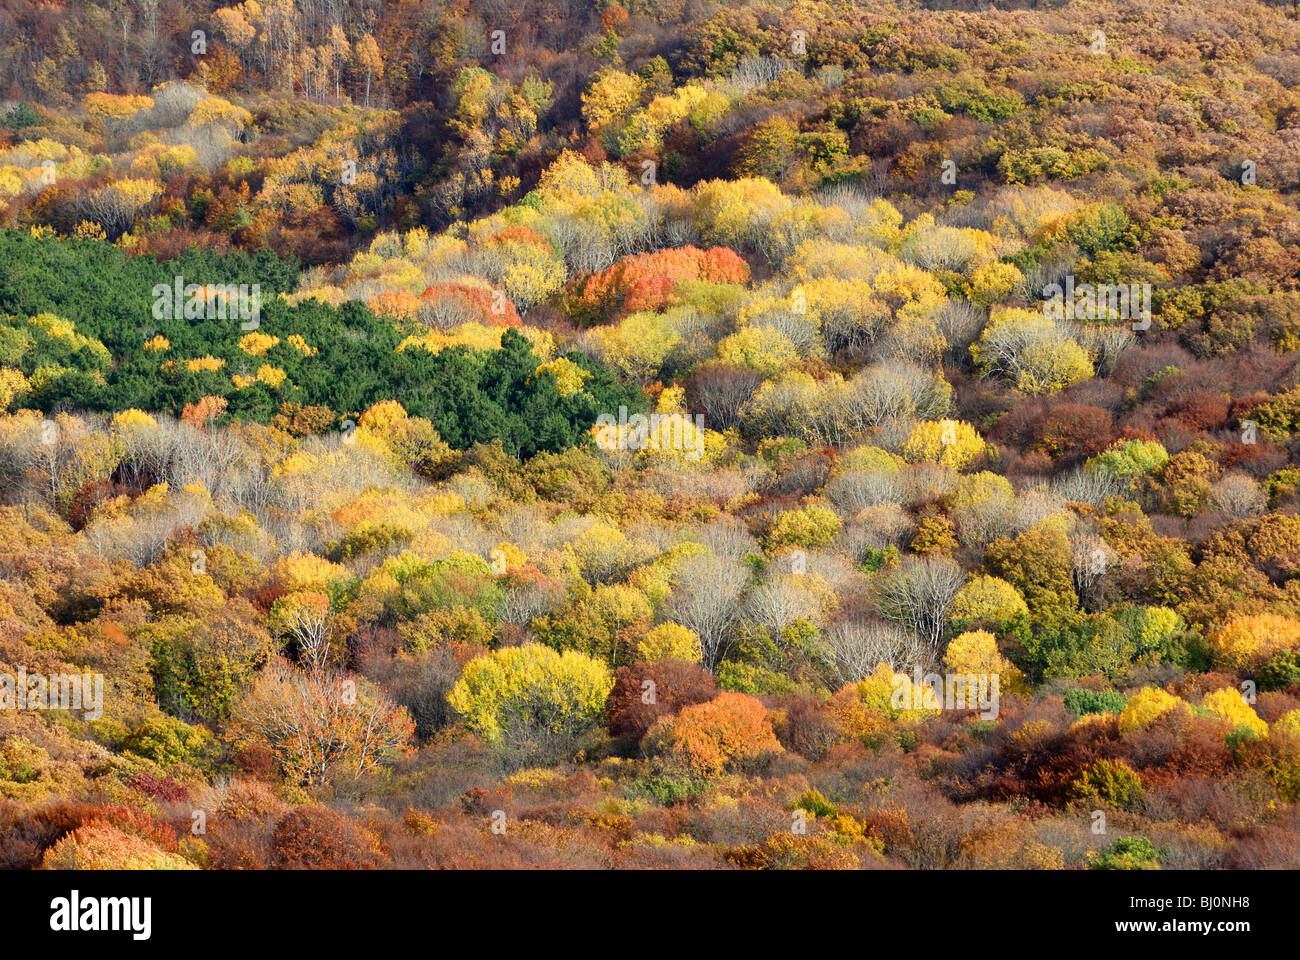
(730, 732)
(976, 652)
(989, 601)
(1281, 671)
(1112, 781)
(1247, 643)
(787, 851)
(670, 641)
(1038, 563)
(1130, 459)
(28, 772)
(160, 788)
(532, 695)
(1128, 853)
(1009, 846)
(167, 741)
(753, 679)
(204, 669)
(1287, 726)
(420, 682)
(461, 626)
(644, 692)
(1285, 767)
(319, 726)
(813, 802)
(99, 845)
(1145, 707)
(812, 526)
(667, 790)
(870, 708)
(1228, 705)
(953, 443)
(1083, 702)
(317, 838)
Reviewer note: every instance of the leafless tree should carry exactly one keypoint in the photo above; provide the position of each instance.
(918, 595)
(727, 537)
(895, 391)
(706, 600)
(320, 726)
(876, 528)
(960, 323)
(859, 646)
(855, 490)
(585, 246)
(1086, 486)
(1035, 506)
(979, 524)
(754, 73)
(852, 323)
(929, 481)
(309, 624)
(779, 602)
(1238, 495)
(720, 391)
(851, 197)
(1091, 558)
(521, 605)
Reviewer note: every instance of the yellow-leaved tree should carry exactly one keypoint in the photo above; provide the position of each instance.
(1229, 706)
(954, 443)
(1247, 643)
(1031, 350)
(976, 652)
(531, 699)
(670, 641)
(1146, 707)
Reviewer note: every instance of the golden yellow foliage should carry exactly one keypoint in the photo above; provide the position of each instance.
(257, 344)
(298, 343)
(1247, 643)
(208, 362)
(569, 377)
(114, 106)
(976, 652)
(954, 443)
(1146, 707)
(1228, 705)
(670, 641)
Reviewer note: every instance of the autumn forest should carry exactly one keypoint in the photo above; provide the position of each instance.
(671, 434)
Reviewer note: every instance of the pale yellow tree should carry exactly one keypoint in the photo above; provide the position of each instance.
(368, 60)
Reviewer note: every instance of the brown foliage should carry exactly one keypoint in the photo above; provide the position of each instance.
(317, 838)
(677, 684)
(24, 837)
(1065, 432)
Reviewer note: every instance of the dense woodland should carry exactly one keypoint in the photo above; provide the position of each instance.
(372, 583)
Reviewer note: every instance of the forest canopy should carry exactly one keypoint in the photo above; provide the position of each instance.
(779, 435)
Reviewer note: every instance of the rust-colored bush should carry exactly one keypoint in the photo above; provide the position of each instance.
(809, 728)
(646, 280)
(1193, 686)
(24, 837)
(160, 788)
(1065, 432)
(317, 838)
(730, 732)
(676, 684)
(1271, 846)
